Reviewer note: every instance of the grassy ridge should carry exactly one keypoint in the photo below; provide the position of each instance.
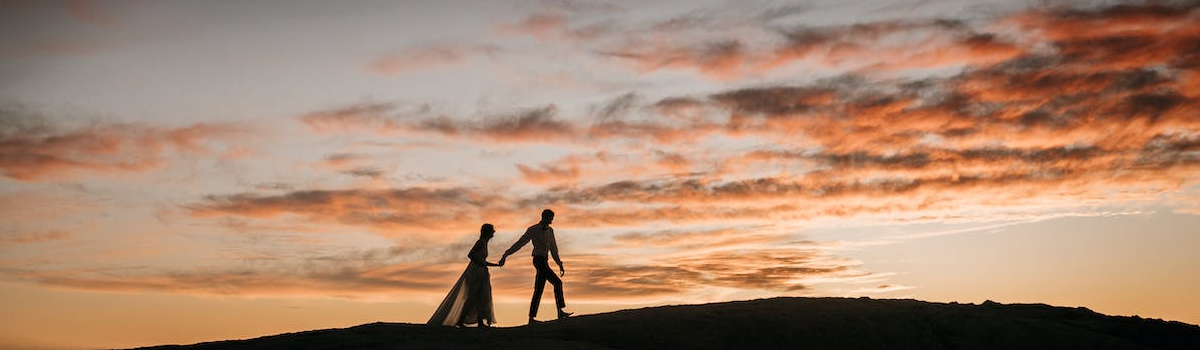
(779, 323)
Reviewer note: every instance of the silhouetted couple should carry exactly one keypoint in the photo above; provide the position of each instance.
(470, 300)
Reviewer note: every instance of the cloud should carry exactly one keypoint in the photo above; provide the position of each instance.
(616, 108)
(612, 281)
(883, 288)
(1040, 116)
(37, 150)
(895, 45)
(422, 212)
(552, 25)
(355, 116)
(373, 172)
(1033, 120)
(548, 173)
(353, 274)
(535, 124)
(1119, 36)
(1051, 119)
(34, 237)
(762, 46)
(723, 60)
(735, 42)
(1185, 202)
(425, 57)
(773, 270)
(692, 239)
(621, 118)
(541, 25)
(342, 159)
(602, 167)
(1118, 20)
(429, 270)
(532, 124)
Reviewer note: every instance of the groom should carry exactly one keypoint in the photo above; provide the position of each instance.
(542, 236)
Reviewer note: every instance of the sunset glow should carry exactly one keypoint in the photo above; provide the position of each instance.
(177, 172)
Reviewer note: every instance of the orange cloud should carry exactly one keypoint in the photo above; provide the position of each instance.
(548, 173)
(1032, 122)
(316, 278)
(865, 46)
(692, 239)
(779, 270)
(1120, 20)
(414, 210)
(601, 167)
(1120, 36)
(423, 269)
(36, 152)
(34, 237)
(360, 115)
(553, 25)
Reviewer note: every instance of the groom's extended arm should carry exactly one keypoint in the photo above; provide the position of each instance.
(517, 246)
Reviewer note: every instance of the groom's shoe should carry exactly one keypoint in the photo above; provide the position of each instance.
(564, 314)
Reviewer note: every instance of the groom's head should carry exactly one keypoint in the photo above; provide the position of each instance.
(547, 216)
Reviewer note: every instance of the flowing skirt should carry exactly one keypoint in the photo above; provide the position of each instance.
(470, 300)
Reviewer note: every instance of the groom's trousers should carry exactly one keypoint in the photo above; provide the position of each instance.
(545, 274)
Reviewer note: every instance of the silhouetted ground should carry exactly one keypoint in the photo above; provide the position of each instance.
(780, 323)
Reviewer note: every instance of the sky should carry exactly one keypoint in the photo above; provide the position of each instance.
(177, 172)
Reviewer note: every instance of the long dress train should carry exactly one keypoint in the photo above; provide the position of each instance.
(470, 300)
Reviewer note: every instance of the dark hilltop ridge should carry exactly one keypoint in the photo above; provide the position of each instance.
(779, 323)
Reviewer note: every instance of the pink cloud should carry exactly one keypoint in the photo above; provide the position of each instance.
(553, 25)
(426, 57)
(107, 149)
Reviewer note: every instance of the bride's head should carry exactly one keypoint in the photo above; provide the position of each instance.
(486, 231)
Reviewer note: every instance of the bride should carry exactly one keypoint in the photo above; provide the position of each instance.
(470, 300)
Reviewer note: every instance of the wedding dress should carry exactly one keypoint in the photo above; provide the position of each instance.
(470, 300)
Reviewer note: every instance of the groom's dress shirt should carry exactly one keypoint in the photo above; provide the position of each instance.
(543, 241)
